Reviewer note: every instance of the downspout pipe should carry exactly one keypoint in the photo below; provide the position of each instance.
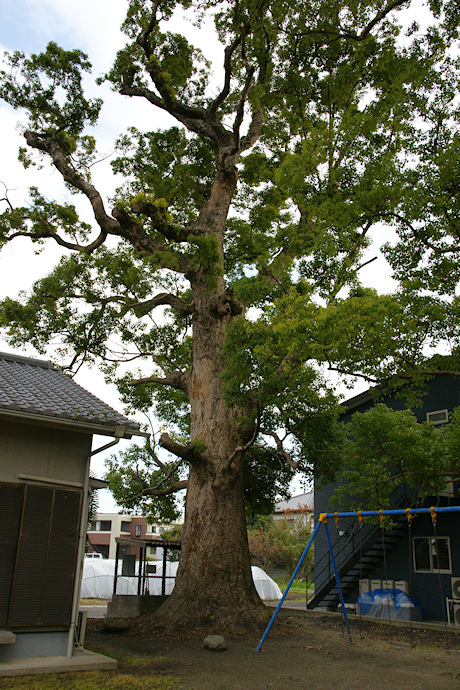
(81, 544)
(80, 556)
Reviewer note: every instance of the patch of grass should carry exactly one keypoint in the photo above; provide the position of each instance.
(93, 602)
(128, 660)
(136, 672)
(90, 680)
(131, 661)
(297, 585)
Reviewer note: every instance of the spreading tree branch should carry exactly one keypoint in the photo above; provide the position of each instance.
(241, 449)
(119, 223)
(141, 240)
(177, 379)
(240, 110)
(254, 130)
(333, 35)
(173, 487)
(194, 120)
(162, 299)
(280, 448)
(384, 12)
(6, 199)
(188, 453)
(228, 54)
(202, 121)
(107, 224)
(422, 236)
(158, 216)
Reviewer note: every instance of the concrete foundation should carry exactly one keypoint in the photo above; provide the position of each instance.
(7, 637)
(130, 606)
(81, 660)
(35, 644)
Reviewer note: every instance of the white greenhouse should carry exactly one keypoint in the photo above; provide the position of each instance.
(98, 577)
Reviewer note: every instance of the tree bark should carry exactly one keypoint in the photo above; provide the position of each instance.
(214, 589)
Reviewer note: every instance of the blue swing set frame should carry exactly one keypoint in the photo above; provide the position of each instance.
(357, 514)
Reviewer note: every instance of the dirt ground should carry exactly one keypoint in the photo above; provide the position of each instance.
(313, 653)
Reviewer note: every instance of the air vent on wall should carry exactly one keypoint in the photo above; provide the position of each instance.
(364, 585)
(455, 581)
(403, 585)
(456, 613)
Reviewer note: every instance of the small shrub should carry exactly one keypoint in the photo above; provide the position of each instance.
(279, 544)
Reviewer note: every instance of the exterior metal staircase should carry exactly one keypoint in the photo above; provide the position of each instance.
(357, 555)
(363, 558)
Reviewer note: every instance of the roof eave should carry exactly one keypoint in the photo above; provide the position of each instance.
(96, 483)
(117, 431)
(358, 400)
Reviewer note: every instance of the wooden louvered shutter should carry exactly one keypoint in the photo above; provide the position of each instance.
(26, 603)
(11, 500)
(42, 588)
(60, 572)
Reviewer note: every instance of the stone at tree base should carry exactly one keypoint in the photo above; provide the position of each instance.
(215, 643)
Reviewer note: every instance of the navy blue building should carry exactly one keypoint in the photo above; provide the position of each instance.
(425, 558)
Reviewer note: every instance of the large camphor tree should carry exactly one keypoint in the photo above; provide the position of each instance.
(226, 267)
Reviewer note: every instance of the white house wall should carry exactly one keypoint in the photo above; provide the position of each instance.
(42, 452)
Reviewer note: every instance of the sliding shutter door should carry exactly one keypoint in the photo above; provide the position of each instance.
(60, 572)
(29, 577)
(11, 500)
(37, 579)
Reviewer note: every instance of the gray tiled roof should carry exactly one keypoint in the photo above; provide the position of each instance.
(37, 387)
(296, 503)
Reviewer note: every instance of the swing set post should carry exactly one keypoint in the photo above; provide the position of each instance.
(272, 619)
(337, 579)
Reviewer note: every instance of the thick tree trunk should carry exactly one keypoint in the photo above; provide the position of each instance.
(214, 588)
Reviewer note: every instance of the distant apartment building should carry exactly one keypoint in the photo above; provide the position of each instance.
(108, 526)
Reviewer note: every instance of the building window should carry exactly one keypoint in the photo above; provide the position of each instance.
(432, 555)
(103, 525)
(438, 417)
(138, 530)
(125, 526)
(152, 529)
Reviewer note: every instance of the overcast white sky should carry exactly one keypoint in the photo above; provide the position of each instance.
(92, 26)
